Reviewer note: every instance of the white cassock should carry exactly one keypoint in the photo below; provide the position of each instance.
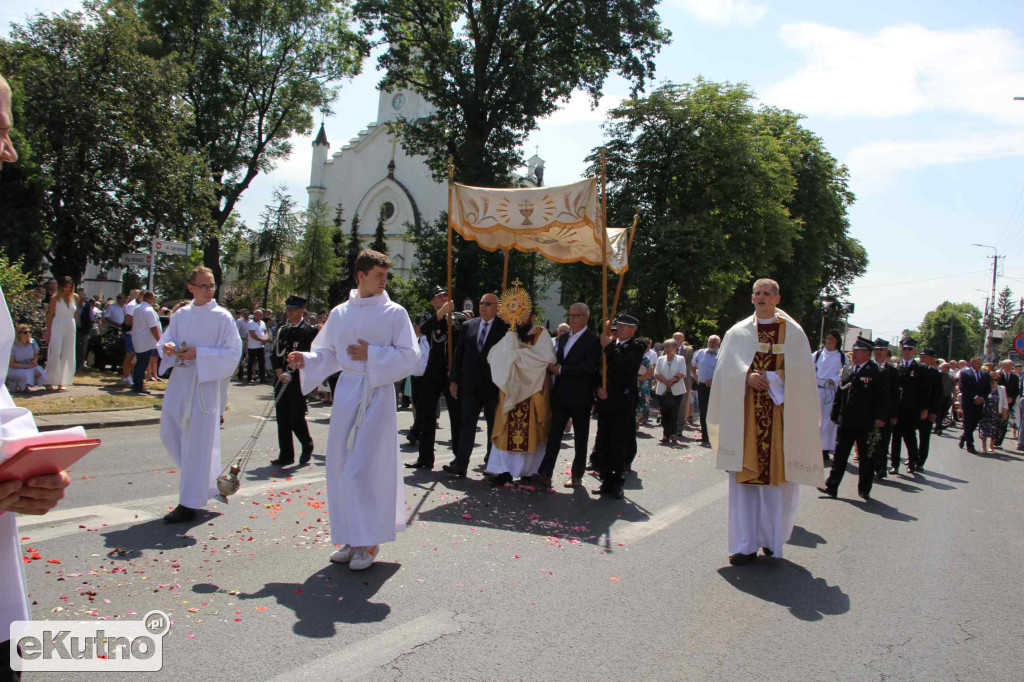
(17, 430)
(365, 492)
(763, 515)
(190, 417)
(827, 367)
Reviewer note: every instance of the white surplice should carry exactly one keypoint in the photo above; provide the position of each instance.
(17, 429)
(190, 417)
(365, 492)
(827, 367)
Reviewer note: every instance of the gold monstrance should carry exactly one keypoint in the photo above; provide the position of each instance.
(514, 306)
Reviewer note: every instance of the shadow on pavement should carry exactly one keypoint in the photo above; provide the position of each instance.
(921, 480)
(334, 594)
(579, 517)
(129, 543)
(944, 477)
(802, 537)
(874, 506)
(784, 583)
(892, 482)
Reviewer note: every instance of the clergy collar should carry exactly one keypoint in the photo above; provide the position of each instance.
(354, 299)
(770, 320)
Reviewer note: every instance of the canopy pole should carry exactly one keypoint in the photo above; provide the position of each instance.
(451, 294)
(604, 268)
(622, 275)
(504, 272)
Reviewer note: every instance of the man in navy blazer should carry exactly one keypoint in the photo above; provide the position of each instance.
(471, 381)
(975, 386)
(576, 373)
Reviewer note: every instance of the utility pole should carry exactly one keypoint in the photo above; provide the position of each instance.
(981, 350)
(990, 310)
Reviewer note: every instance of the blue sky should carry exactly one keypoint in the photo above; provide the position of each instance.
(915, 97)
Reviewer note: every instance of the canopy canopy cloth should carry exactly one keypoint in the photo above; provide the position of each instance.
(562, 223)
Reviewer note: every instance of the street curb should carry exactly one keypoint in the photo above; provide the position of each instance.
(93, 422)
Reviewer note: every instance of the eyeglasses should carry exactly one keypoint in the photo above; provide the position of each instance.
(210, 287)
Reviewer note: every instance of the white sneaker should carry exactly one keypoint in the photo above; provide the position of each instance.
(343, 555)
(363, 558)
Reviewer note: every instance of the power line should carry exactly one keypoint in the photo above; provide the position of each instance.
(916, 281)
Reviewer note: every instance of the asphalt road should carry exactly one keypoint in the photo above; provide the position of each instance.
(919, 584)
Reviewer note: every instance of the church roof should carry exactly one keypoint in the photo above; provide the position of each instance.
(321, 137)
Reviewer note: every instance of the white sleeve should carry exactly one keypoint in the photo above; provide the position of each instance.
(388, 364)
(321, 361)
(214, 363)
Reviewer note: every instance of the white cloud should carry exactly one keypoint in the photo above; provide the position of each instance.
(873, 165)
(579, 110)
(722, 13)
(902, 70)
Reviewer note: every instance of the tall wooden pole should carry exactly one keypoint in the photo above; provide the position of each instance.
(604, 268)
(504, 272)
(451, 294)
(622, 275)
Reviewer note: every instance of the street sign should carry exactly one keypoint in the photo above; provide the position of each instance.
(135, 259)
(171, 248)
(1018, 344)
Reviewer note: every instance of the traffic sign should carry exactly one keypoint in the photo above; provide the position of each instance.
(1018, 344)
(135, 259)
(171, 248)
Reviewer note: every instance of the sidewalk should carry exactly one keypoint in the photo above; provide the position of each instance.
(96, 388)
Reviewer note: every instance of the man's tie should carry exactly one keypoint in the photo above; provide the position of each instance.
(482, 337)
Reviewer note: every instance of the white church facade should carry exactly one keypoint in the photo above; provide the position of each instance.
(372, 174)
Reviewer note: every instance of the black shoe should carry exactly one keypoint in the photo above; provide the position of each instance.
(181, 513)
(825, 490)
(419, 465)
(972, 450)
(894, 470)
(282, 462)
(880, 475)
(767, 552)
(618, 493)
(961, 442)
(501, 479)
(741, 559)
(411, 437)
(455, 470)
(605, 489)
(305, 457)
(865, 496)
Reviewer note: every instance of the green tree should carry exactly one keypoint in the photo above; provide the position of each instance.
(962, 320)
(109, 154)
(316, 264)
(380, 241)
(279, 229)
(1006, 309)
(23, 188)
(18, 286)
(255, 73)
(336, 291)
(352, 250)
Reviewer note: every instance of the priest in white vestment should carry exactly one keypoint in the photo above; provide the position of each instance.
(763, 418)
(201, 344)
(519, 368)
(828, 365)
(371, 341)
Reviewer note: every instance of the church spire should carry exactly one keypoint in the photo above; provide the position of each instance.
(321, 138)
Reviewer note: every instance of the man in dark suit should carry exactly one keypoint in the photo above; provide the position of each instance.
(974, 388)
(889, 375)
(859, 409)
(471, 380)
(576, 373)
(616, 406)
(435, 381)
(933, 379)
(1012, 383)
(912, 409)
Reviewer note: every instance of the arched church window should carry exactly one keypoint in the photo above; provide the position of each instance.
(388, 210)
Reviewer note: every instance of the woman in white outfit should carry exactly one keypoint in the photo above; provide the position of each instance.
(60, 336)
(828, 365)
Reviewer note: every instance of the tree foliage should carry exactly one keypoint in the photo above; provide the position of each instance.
(110, 157)
(255, 72)
(726, 193)
(279, 230)
(380, 240)
(316, 263)
(965, 322)
(1006, 309)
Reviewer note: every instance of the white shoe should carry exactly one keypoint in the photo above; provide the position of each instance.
(343, 555)
(363, 558)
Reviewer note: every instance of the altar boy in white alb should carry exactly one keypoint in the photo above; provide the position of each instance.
(370, 340)
(202, 345)
(763, 424)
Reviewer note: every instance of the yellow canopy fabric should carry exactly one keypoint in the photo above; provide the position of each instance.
(562, 223)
